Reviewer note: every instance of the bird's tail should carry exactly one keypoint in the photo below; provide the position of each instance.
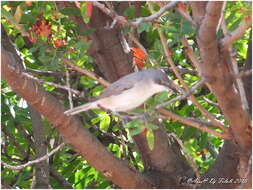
(81, 108)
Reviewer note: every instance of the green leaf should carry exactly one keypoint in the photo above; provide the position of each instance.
(187, 27)
(136, 131)
(188, 133)
(152, 126)
(83, 9)
(161, 97)
(7, 14)
(97, 90)
(130, 12)
(104, 122)
(203, 140)
(95, 120)
(70, 11)
(134, 123)
(19, 41)
(150, 139)
(144, 27)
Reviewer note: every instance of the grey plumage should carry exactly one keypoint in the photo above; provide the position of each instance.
(128, 92)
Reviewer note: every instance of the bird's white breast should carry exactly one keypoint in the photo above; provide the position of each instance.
(131, 98)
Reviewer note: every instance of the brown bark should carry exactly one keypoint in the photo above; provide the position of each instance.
(41, 170)
(215, 68)
(247, 80)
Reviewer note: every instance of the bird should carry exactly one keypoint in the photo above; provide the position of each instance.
(129, 92)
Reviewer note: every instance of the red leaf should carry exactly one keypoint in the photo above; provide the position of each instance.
(144, 132)
(138, 62)
(42, 28)
(139, 57)
(89, 9)
(59, 42)
(137, 52)
(247, 18)
(32, 39)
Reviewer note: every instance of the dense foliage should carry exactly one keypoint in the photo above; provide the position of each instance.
(49, 34)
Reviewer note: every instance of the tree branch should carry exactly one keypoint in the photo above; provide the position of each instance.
(20, 167)
(190, 54)
(53, 84)
(227, 41)
(194, 123)
(12, 21)
(85, 72)
(186, 16)
(123, 21)
(185, 95)
(155, 15)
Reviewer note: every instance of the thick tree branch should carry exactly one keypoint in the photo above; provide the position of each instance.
(215, 68)
(210, 22)
(41, 169)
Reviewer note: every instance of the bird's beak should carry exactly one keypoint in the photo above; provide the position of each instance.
(171, 86)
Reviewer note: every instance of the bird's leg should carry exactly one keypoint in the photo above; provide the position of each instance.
(143, 116)
(104, 109)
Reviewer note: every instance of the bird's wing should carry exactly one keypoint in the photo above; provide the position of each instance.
(116, 88)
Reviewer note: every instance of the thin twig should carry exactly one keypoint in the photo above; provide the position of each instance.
(18, 27)
(155, 15)
(211, 102)
(221, 17)
(136, 41)
(187, 155)
(185, 95)
(190, 54)
(61, 180)
(85, 72)
(239, 83)
(45, 73)
(194, 123)
(243, 74)
(20, 167)
(186, 16)
(52, 84)
(123, 21)
(124, 43)
(227, 41)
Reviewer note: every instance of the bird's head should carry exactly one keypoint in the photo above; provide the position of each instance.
(161, 78)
